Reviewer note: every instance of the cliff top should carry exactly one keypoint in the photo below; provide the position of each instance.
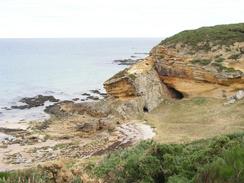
(216, 35)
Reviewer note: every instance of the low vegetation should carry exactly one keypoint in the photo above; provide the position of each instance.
(221, 68)
(202, 37)
(202, 62)
(37, 175)
(219, 60)
(235, 56)
(24, 176)
(217, 160)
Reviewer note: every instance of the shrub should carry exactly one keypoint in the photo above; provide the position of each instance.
(201, 61)
(220, 59)
(170, 163)
(222, 68)
(228, 168)
(235, 56)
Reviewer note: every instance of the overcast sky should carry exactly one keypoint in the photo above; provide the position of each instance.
(113, 18)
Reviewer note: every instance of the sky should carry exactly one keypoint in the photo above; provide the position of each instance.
(113, 18)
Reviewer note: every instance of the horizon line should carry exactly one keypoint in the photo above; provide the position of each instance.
(80, 37)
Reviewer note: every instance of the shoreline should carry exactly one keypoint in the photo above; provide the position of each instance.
(35, 110)
(39, 150)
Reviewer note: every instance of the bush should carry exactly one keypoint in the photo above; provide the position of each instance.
(201, 61)
(229, 168)
(220, 59)
(170, 163)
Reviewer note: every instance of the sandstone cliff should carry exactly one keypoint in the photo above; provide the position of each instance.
(141, 83)
(205, 62)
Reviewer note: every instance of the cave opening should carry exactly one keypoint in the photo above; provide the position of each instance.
(175, 93)
(145, 109)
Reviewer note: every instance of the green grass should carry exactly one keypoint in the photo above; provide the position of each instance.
(220, 158)
(201, 61)
(199, 101)
(217, 35)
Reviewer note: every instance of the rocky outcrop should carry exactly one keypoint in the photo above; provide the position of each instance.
(194, 77)
(208, 61)
(238, 96)
(139, 84)
(126, 61)
(204, 62)
(30, 102)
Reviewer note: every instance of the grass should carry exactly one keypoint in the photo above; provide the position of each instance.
(217, 35)
(192, 119)
(151, 162)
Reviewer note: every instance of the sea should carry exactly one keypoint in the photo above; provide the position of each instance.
(64, 68)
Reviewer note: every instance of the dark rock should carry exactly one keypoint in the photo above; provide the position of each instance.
(20, 107)
(98, 93)
(95, 91)
(126, 61)
(92, 98)
(103, 94)
(86, 94)
(6, 108)
(75, 99)
(36, 101)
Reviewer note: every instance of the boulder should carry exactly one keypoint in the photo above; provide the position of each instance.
(239, 95)
(36, 101)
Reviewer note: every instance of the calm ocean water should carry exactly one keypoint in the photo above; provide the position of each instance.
(61, 67)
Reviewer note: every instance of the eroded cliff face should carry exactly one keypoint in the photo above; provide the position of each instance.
(207, 62)
(201, 74)
(139, 83)
(179, 70)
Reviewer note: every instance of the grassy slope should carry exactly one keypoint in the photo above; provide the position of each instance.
(200, 161)
(220, 34)
(206, 161)
(197, 118)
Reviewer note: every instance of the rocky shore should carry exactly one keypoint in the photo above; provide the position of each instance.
(74, 130)
(174, 74)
